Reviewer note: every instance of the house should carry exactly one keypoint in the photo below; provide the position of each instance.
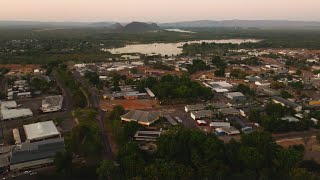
(290, 119)
(287, 103)
(220, 85)
(268, 91)
(142, 117)
(218, 105)
(262, 83)
(236, 96)
(201, 114)
(196, 107)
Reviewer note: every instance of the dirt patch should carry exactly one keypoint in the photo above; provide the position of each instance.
(312, 148)
(129, 104)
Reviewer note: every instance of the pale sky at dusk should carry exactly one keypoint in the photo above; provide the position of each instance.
(158, 10)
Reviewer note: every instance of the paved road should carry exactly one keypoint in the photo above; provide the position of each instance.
(95, 97)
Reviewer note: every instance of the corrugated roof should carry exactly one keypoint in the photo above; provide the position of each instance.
(140, 116)
(40, 130)
(37, 150)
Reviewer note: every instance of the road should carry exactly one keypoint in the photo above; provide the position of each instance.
(94, 97)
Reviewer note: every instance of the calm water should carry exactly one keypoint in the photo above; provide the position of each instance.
(169, 48)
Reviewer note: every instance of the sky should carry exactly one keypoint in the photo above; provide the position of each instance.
(158, 10)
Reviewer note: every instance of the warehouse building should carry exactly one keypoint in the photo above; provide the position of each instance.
(10, 111)
(40, 131)
(52, 103)
(142, 117)
(35, 154)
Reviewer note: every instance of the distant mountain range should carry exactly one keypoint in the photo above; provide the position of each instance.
(142, 26)
(243, 24)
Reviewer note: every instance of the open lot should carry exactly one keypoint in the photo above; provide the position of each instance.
(312, 147)
(129, 104)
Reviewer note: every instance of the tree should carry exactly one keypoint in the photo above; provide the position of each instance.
(134, 70)
(245, 90)
(275, 110)
(130, 129)
(254, 116)
(63, 163)
(116, 112)
(286, 94)
(220, 72)
(277, 85)
(108, 170)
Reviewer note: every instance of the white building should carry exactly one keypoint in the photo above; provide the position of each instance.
(52, 103)
(9, 111)
(40, 131)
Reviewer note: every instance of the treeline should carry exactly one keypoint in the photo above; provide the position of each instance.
(189, 154)
(169, 88)
(83, 143)
(78, 98)
(272, 122)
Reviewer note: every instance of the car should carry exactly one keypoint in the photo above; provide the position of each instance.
(26, 172)
(33, 173)
(178, 119)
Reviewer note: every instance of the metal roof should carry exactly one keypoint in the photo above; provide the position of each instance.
(37, 150)
(52, 101)
(144, 117)
(235, 94)
(8, 111)
(40, 130)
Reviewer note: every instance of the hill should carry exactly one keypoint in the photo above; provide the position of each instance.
(140, 27)
(244, 24)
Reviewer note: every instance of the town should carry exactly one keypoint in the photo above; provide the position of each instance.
(141, 97)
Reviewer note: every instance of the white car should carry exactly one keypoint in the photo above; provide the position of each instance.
(178, 119)
(33, 173)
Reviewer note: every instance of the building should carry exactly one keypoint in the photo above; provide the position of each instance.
(268, 91)
(24, 94)
(287, 103)
(5, 155)
(229, 111)
(170, 120)
(40, 131)
(10, 111)
(221, 85)
(196, 107)
(236, 96)
(125, 95)
(220, 124)
(52, 103)
(27, 155)
(227, 130)
(290, 119)
(201, 114)
(150, 93)
(142, 117)
(147, 135)
(218, 105)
